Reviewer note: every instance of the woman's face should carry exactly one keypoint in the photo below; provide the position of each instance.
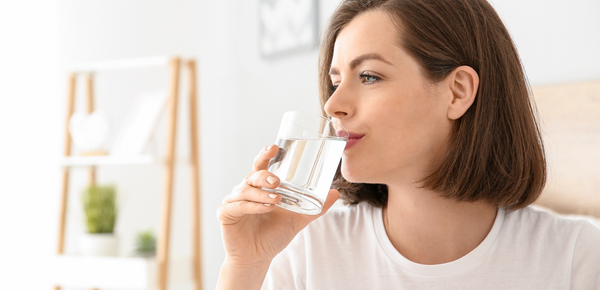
(400, 120)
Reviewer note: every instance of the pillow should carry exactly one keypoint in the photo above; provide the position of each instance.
(570, 123)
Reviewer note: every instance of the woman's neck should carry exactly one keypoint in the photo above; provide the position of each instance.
(428, 229)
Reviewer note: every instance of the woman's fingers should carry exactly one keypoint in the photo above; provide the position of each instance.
(230, 213)
(249, 198)
(262, 178)
(261, 161)
(250, 190)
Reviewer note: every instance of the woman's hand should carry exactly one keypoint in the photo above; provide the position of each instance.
(254, 230)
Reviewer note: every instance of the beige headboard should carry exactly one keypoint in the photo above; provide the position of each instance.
(570, 121)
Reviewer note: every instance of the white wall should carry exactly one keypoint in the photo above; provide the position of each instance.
(558, 40)
(30, 138)
(242, 99)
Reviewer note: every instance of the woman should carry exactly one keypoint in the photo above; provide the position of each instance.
(448, 158)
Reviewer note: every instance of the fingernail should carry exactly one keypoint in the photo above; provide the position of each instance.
(266, 204)
(271, 179)
(273, 196)
(269, 147)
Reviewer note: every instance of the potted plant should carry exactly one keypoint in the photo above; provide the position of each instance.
(100, 208)
(145, 244)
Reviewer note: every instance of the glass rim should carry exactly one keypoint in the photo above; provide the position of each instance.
(329, 119)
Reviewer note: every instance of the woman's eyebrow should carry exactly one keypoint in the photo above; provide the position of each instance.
(357, 61)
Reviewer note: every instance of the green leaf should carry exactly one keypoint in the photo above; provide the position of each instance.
(145, 244)
(100, 208)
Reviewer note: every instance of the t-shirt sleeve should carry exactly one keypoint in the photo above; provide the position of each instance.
(288, 268)
(585, 273)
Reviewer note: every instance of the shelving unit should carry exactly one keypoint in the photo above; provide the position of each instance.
(108, 272)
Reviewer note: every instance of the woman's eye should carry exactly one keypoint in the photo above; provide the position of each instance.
(368, 79)
(332, 89)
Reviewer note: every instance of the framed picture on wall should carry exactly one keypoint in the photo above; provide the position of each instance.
(287, 26)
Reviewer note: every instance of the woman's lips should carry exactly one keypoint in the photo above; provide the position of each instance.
(353, 138)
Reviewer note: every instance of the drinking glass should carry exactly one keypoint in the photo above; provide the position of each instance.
(310, 149)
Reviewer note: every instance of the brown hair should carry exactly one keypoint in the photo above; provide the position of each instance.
(496, 152)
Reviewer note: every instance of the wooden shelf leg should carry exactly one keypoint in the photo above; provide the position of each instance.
(163, 242)
(65, 172)
(195, 178)
(90, 109)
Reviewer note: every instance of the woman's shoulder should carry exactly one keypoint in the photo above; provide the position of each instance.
(548, 228)
(541, 218)
(576, 238)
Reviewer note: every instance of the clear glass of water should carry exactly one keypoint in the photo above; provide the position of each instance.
(310, 149)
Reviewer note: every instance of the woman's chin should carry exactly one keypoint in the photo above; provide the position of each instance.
(354, 175)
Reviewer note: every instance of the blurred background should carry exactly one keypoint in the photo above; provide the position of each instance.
(246, 81)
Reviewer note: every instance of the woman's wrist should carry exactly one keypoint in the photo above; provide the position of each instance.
(247, 276)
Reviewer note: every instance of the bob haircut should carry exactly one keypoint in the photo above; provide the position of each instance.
(496, 154)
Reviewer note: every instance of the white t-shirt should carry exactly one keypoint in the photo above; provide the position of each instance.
(526, 249)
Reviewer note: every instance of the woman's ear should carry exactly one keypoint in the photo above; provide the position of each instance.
(464, 82)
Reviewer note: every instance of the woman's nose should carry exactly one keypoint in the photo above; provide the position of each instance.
(336, 106)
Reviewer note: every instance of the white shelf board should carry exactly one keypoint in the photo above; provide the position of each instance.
(121, 64)
(104, 272)
(127, 273)
(79, 161)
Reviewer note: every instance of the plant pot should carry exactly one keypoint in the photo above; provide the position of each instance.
(99, 245)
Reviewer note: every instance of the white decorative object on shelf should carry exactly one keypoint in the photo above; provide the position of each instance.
(287, 26)
(99, 245)
(89, 132)
(140, 124)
